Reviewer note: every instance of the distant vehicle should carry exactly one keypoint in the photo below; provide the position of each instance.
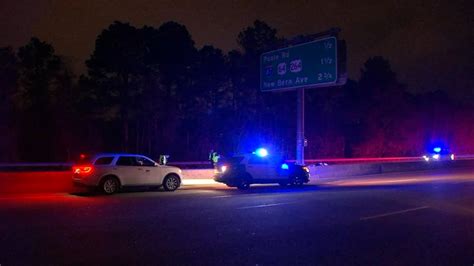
(259, 168)
(111, 172)
(439, 154)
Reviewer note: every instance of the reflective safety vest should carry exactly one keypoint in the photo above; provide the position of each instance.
(215, 157)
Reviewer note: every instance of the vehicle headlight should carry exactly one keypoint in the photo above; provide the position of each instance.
(426, 158)
(452, 156)
(436, 156)
(306, 169)
(223, 168)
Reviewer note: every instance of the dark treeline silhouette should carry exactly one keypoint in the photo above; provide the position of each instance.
(152, 91)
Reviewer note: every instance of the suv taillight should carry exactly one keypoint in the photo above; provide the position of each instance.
(82, 169)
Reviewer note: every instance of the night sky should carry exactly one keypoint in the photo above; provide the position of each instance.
(429, 43)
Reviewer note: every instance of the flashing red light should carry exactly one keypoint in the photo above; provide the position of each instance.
(82, 169)
(82, 156)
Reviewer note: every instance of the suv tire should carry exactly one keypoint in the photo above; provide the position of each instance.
(171, 182)
(110, 185)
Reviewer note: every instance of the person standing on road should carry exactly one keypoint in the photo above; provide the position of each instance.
(210, 157)
(163, 159)
(214, 158)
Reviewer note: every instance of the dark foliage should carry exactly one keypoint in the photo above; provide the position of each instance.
(151, 90)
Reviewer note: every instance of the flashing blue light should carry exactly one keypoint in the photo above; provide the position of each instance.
(261, 152)
(284, 166)
(437, 149)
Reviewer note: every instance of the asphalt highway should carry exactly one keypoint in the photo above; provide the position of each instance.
(424, 218)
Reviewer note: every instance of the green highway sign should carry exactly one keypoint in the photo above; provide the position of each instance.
(307, 65)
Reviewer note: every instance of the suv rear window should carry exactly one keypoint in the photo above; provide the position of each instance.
(126, 161)
(234, 160)
(258, 160)
(104, 161)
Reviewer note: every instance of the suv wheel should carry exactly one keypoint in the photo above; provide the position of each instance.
(171, 183)
(110, 185)
(297, 181)
(243, 185)
(245, 182)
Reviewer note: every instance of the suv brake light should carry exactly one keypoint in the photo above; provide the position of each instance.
(82, 169)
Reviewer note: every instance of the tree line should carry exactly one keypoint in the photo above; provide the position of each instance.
(152, 91)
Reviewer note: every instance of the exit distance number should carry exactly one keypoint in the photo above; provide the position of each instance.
(326, 61)
(324, 76)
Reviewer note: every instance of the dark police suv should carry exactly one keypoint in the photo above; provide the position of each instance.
(259, 168)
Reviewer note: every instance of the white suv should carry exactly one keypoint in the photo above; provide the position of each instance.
(111, 172)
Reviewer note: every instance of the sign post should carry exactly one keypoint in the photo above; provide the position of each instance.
(300, 139)
(308, 65)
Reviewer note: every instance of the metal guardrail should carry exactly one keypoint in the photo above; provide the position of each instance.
(345, 160)
(35, 164)
(362, 160)
(14, 167)
(205, 164)
(190, 163)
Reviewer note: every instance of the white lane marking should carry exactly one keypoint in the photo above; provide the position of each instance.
(223, 196)
(393, 213)
(264, 205)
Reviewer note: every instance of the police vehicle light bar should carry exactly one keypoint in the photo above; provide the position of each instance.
(261, 152)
